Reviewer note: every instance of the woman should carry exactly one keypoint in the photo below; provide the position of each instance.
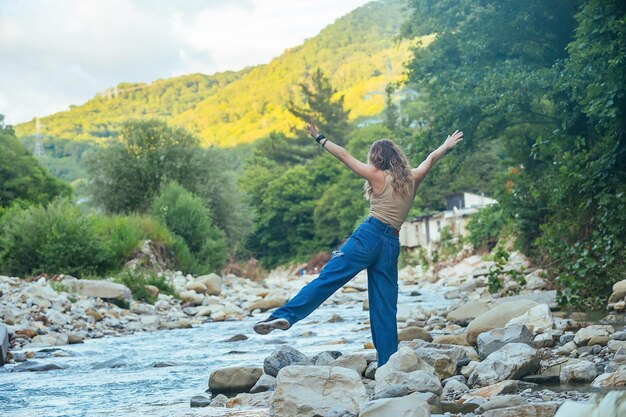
(390, 187)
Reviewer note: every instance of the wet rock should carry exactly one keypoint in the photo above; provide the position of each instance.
(593, 334)
(237, 338)
(335, 318)
(489, 342)
(234, 379)
(281, 357)
(118, 362)
(407, 406)
(74, 338)
(498, 316)
(265, 383)
(4, 344)
(512, 361)
(34, 366)
(412, 333)
(164, 364)
(97, 288)
(582, 371)
(199, 401)
(304, 391)
(538, 319)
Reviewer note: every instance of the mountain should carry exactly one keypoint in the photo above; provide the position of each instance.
(359, 52)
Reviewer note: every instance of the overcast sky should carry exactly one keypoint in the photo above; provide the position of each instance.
(54, 53)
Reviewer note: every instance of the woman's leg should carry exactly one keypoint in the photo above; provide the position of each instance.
(337, 272)
(382, 282)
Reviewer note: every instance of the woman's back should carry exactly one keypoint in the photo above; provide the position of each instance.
(392, 207)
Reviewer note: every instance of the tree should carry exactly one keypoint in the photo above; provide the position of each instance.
(22, 178)
(319, 102)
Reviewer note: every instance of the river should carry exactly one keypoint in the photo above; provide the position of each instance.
(138, 388)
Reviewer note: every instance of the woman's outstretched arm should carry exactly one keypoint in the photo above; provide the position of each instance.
(363, 170)
(420, 172)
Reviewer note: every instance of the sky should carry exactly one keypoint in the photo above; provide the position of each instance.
(54, 53)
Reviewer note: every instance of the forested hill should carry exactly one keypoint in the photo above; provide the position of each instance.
(358, 52)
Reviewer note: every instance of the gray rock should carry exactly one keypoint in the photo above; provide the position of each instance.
(583, 371)
(199, 401)
(219, 400)
(512, 361)
(164, 364)
(501, 401)
(392, 391)
(339, 412)
(265, 383)
(408, 406)
(33, 366)
(281, 357)
(566, 338)
(621, 336)
(4, 344)
(325, 358)
(95, 288)
(489, 342)
(351, 361)
(370, 371)
(234, 379)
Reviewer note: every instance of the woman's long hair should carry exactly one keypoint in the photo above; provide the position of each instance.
(387, 156)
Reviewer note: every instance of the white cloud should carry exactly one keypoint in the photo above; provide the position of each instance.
(60, 52)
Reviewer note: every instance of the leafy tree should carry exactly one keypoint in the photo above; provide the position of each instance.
(329, 113)
(21, 177)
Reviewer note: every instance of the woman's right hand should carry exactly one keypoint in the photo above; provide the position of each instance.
(453, 139)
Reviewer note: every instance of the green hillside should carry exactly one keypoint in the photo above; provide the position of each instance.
(358, 52)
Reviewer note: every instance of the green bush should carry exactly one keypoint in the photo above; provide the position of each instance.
(185, 215)
(486, 226)
(136, 282)
(58, 238)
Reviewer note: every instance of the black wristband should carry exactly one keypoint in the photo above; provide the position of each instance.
(319, 137)
(324, 143)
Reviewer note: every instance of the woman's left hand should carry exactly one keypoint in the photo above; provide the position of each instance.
(311, 128)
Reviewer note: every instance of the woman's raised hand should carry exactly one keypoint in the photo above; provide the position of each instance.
(311, 128)
(453, 139)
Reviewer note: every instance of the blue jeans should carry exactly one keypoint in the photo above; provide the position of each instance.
(374, 246)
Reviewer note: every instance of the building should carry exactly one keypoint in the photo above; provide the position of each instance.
(425, 231)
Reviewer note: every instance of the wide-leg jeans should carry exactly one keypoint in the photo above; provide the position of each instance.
(373, 245)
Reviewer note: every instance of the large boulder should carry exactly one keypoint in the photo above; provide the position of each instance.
(619, 291)
(4, 344)
(34, 366)
(351, 361)
(212, 282)
(512, 361)
(51, 339)
(408, 406)
(443, 358)
(308, 391)
(404, 360)
(498, 316)
(97, 288)
(594, 334)
(284, 356)
(583, 371)
(538, 319)
(489, 342)
(234, 379)
(469, 311)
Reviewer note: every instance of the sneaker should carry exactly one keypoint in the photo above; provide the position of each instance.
(271, 323)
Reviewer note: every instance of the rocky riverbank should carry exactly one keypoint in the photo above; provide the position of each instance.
(480, 354)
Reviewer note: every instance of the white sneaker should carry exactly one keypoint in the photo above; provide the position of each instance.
(271, 323)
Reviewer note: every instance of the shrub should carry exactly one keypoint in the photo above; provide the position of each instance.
(136, 282)
(186, 216)
(486, 226)
(58, 238)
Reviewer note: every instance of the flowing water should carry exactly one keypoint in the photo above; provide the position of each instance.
(138, 388)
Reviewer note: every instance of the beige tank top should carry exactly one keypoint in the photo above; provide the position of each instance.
(389, 208)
